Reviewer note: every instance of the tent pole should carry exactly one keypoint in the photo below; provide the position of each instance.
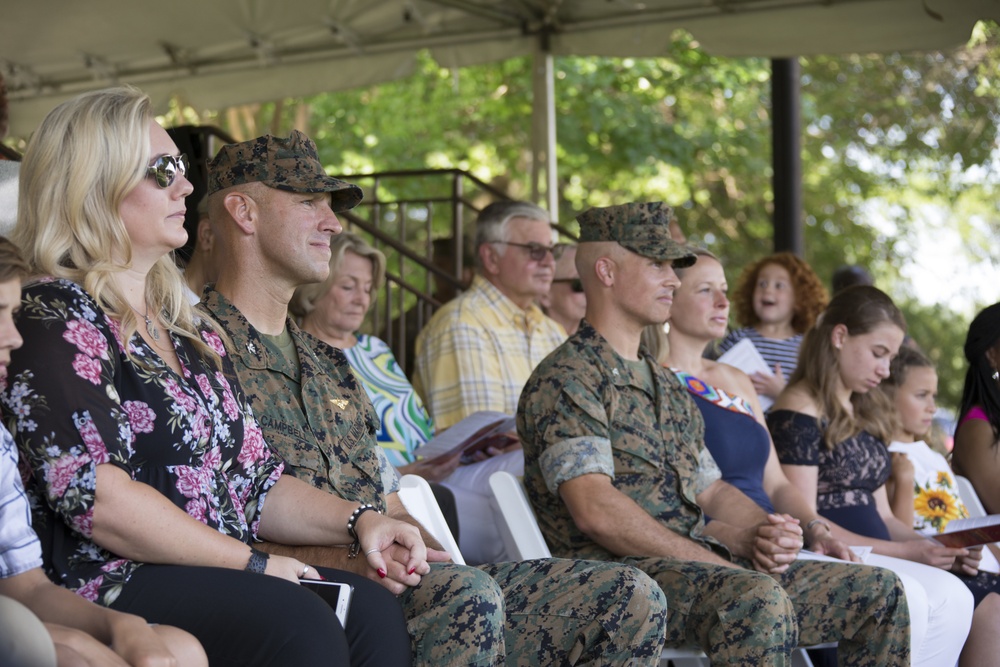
(543, 136)
(787, 155)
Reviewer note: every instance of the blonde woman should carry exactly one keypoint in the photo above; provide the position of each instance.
(150, 476)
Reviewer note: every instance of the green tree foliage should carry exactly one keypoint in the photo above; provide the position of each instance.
(883, 135)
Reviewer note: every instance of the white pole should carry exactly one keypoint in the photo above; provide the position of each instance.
(543, 136)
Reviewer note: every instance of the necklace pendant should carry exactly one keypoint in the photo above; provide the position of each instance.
(152, 330)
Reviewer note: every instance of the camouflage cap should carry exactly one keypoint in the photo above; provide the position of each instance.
(286, 164)
(642, 228)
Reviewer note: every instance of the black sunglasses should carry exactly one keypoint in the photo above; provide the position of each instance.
(537, 251)
(574, 284)
(166, 168)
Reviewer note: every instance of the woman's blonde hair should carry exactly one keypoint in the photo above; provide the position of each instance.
(87, 155)
(861, 309)
(12, 264)
(304, 299)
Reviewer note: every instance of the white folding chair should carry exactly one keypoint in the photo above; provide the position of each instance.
(519, 529)
(418, 499)
(968, 494)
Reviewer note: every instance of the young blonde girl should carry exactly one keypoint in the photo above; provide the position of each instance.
(924, 494)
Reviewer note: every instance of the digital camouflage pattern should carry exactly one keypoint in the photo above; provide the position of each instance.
(545, 612)
(286, 164)
(643, 228)
(584, 411)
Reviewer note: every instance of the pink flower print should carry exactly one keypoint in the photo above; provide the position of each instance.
(190, 481)
(254, 448)
(84, 523)
(213, 515)
(206, 387)
(242, 494)
(92, 440)
(201, 426)
(87, 368)
(140, 417)
(213, 340)
(228, 402)
(113, 565)
(87, 338)
(212, 461)
(60, 474)
(90, 590)
(116, 331)
(185, 402)
(197, 508)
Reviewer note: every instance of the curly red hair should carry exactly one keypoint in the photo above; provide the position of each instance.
(811, 296)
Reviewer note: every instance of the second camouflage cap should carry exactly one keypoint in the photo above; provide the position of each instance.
(286, 164)
(643, 228)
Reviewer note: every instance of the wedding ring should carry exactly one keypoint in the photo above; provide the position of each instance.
(304, 570)
(371, 551)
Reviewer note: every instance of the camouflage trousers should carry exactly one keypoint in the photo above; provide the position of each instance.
(743, 617)
(542, 612)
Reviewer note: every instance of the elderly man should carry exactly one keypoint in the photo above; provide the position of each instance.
(273, 210)
(616, 468)
(566, 303)
(477, 352)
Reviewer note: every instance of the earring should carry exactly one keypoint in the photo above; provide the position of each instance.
(996, 375)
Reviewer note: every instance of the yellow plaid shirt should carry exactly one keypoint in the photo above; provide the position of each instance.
(478, 352)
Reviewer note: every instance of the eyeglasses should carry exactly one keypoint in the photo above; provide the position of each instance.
(537, 251)
(575, 284)
(167, 167)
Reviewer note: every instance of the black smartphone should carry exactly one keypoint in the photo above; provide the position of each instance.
(337, 595)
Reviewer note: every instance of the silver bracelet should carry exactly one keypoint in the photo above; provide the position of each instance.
(355, 548)
(821, 523)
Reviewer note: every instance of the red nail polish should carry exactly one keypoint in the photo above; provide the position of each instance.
(381, 573)
(321, 577)
(411, 570)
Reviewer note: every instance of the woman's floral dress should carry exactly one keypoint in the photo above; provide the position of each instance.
(74, 401)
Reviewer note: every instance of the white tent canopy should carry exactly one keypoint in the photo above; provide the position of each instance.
(217, 53)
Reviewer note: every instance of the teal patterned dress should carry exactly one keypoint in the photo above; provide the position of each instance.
(404, 423)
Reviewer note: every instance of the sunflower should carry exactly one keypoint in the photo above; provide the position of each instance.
(944, 479)
(937, 507)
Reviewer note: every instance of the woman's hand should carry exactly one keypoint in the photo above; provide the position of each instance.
(931, 553)
(289, 569)
(828, 545)
(397, 573)
(498, 444)
(969, 564)
(378, 532)
(769, 385)
(144, 649)
(140, 645)
(435, 469)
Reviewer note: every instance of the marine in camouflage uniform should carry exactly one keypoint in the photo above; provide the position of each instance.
(587, 410)
(313, 412)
